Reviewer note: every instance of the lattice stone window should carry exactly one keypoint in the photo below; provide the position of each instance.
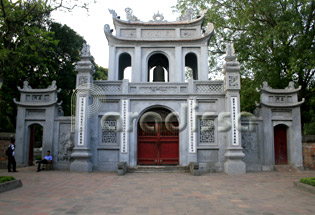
(207, 131)
(109, 131)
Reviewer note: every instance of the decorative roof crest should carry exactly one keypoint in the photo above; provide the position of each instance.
(26, 86)
(113, 12)
(53, 85)
(158, 17)
(130, 16)
(187, 16)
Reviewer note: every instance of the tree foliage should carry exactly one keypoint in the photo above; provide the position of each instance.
(34, 48)
(274, 40)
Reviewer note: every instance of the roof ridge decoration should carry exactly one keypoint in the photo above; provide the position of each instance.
(289, 89)
(158, 17)
(130, 16)
(113, 12)
(187, 16)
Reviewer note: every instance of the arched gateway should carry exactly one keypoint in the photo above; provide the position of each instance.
(158, 138)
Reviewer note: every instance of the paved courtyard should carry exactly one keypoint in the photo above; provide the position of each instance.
(61, 192)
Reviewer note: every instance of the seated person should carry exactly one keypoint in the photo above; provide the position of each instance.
(46, 160)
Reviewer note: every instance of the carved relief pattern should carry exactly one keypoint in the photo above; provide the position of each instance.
(36, 98)
(233, 81)
(81, 132)
(209, 88)
(111, 89)
(65, 144)
(83, 80)
(158, 33)
(250, 146)
(207, 131)
(188, 33)
(280, 99)
(130, 33)
(158, 90)
(124, 136)
(234, 117)
(109, 131)
(192, 144)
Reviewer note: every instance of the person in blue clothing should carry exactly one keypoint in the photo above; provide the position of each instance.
(46, 160)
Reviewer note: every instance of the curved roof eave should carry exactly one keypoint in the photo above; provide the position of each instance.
(111, 38)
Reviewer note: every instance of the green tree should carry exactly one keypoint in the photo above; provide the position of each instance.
(100, 72)
(34, 48)
(274, 40)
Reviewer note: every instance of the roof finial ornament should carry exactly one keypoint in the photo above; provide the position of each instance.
(230, 49)
(26, 86)
(130, 16)
(187, 16)
(113, 12)
(158, 17)
(290, 86)
(85, 52)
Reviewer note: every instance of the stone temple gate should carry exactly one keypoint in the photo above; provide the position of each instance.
(157, 117)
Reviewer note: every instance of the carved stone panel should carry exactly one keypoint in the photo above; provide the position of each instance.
(154, 33)
(158, 90)
(233, 81)
(109, 132)
(83, 80)
(209, 88)
(206, 131)
(129, 33)
(188, 33)
(65, 143)
(250, 146)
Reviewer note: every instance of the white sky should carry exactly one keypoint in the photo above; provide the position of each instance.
(90, 24)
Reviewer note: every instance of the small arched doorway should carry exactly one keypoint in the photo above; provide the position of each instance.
(124, 69)
(191, 66)
(158, 68)
(158, 138)
(280, 144)
(36, 143)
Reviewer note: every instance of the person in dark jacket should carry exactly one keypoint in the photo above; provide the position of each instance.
(11, 158)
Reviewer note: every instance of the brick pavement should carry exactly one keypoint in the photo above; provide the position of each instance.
(61, 192)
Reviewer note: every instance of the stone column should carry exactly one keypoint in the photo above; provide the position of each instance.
(81, 152)
(234, 155)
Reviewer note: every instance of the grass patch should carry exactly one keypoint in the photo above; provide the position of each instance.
(309, 181)
(6, 178)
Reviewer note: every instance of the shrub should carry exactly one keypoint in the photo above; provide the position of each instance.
(6, 178)
(309, 181)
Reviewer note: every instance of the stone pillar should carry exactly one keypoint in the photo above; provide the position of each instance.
(81, 152)
(112, 74)
(234, 155)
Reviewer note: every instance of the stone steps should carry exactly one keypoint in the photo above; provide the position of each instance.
(149, 169)
(286, 168)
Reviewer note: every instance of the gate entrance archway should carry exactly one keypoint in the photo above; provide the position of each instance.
(35, 144)
(158, 138)
(280, 144)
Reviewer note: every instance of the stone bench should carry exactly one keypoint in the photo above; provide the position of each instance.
(122, 168)
(194, 168)
(48, 166)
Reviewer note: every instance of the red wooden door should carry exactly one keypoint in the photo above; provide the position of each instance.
(158, 144)
(280, 143)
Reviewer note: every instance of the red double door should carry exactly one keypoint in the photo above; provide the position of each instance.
(158, 144)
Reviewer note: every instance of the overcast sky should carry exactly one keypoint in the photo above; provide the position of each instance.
(90, 24)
